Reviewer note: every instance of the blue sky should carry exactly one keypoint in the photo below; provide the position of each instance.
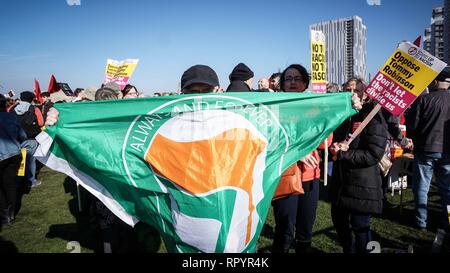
(41, 37)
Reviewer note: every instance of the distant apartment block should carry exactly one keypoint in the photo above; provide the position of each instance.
(435, 44)
(447, 31)
(346, 48)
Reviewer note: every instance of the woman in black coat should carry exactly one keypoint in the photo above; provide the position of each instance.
(355, 189)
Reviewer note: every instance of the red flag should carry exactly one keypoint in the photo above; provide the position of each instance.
(417, 41)
(37, 91)
(53, 85)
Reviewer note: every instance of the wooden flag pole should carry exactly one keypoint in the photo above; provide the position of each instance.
(363, 124)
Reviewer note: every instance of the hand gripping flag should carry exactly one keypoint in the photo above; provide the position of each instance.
(200, 168)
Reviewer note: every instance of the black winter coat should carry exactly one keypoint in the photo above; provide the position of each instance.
(238, 86)
(356, 180)
(428, 122)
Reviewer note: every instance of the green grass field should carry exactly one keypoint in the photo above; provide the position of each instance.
(49, 219)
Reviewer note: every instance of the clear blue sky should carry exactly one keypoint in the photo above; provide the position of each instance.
(42, 37)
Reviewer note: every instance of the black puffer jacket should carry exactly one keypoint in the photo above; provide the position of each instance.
(238, 86)
(356, 181)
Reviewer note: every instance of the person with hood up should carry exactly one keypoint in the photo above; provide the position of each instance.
(31, 120)
(241, 79)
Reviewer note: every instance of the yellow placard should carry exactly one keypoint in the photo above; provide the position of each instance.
(120, 71)
(408, 72)
(21, 171)
(124, 70)
(318, 62)
(403, 77)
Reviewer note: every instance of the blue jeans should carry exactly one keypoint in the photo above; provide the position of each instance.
(425, 164)
(30, 169)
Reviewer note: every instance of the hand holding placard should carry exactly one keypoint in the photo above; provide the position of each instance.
(403, 77)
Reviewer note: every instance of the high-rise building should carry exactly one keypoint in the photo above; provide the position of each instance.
(437, 33)
(427, 39)
(447, 31)
(346, 48)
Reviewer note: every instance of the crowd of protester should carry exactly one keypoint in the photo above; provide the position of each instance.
(357, 190)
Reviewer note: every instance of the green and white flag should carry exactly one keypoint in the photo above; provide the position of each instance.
(201, 168)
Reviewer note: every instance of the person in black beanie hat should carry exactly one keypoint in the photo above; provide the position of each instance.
(27, 96)
(241, 79)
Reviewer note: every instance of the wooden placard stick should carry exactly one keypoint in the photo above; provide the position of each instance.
(363, 124)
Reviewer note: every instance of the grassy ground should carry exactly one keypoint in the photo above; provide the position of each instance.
(49, 219)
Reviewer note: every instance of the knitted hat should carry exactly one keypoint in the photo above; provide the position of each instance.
(241, 72)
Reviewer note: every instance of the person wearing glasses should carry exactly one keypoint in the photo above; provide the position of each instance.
(295, 214)
(130, 92)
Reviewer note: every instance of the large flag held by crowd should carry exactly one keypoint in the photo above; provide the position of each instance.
(200, 168)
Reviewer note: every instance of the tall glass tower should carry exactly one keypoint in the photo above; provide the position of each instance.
(346, 48)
